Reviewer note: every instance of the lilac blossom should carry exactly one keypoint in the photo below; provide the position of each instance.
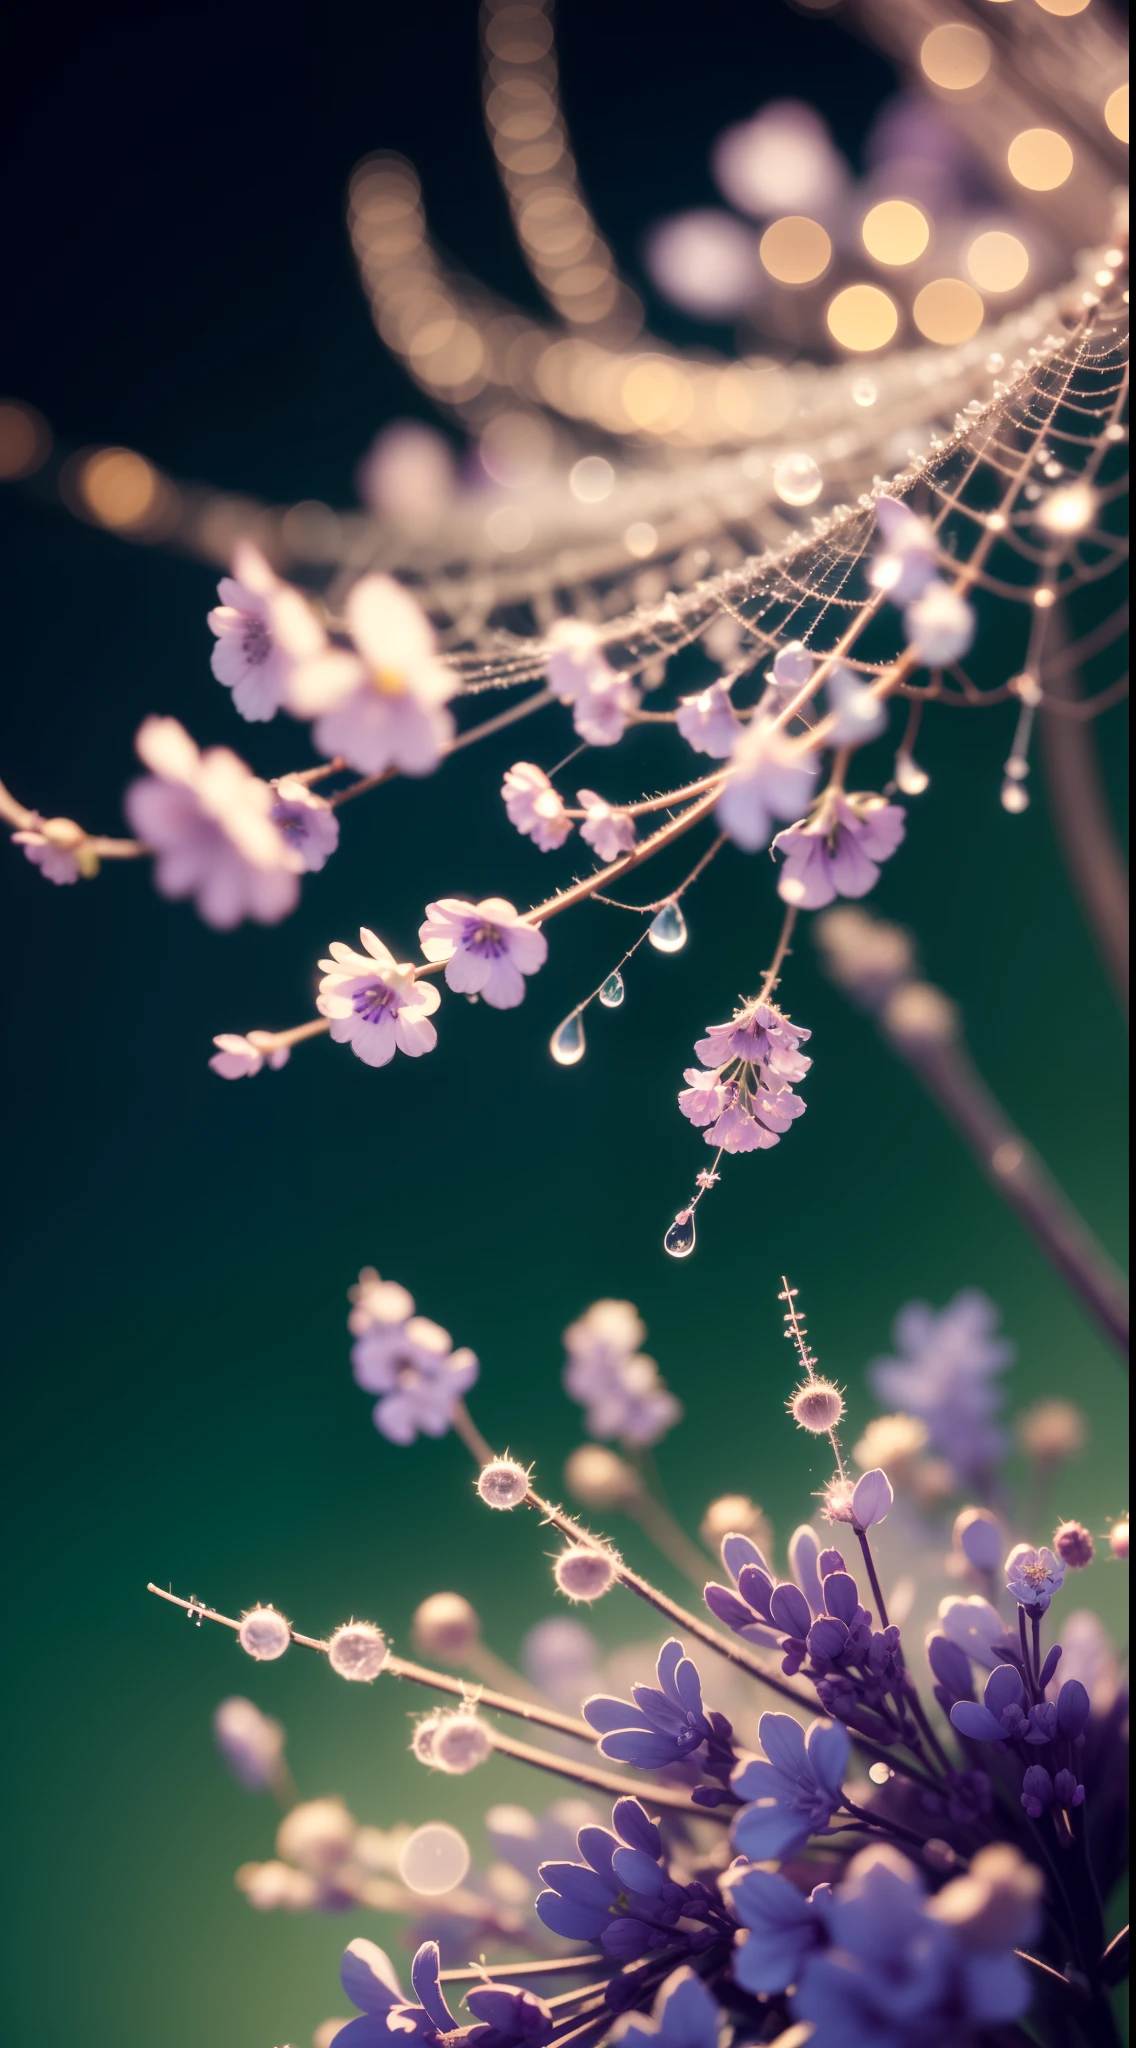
(209, 822)
(368, 1977)
(767, 779)
(685, 2015)
(622, 1894)
(607, 830)
(973, 1625)
(579, 674)
(858, 716)
(781, 1925)
(665, 1724)
(1034, 1576)
(380, 703)
(249, 658)
(742, 1090)
(708, 722)
(899, 1969)
(617, 1385)
(488, 948)
(793, 1790)
(837, 853)
(53, 845)
(945, 1375)
(940, 625)
(761, 1035)
(910, 554)
(535, 807)
(238, 1059)
(376, 1006)
(307, 821)
(410, 1363)
(251, 1744)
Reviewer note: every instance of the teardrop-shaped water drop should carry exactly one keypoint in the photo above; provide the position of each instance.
(679, 1240)
(613, 991)
(567, 1044)
(667, 931)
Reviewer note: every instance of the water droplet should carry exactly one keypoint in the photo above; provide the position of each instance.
(880, 1773)
(679, 1240)
(797, 480)
(567, 1044)
(613, 991)
(667, 931)
(912, 779)
(1014, 797)
(864, 392)
(995, 362)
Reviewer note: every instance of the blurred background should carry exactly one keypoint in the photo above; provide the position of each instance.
(178, 1399)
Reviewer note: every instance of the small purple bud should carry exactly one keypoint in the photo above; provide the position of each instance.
(951, 1666)
(826, 1638)
(1073, 1708)
(841, 1597)
(1067, 1791)
(978, 1534)
(1049, 1666)
(1074, 1545)
(829, 1561)
(1037, 1791)
(871, 1499)
(790, 1610)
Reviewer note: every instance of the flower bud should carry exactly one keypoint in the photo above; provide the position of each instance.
(817, 1406)
(980, 1537)
(503, 1484)
(1052, 1430)
(251, 1744)
(1074, 1544)
(446, 1626)
(358, 1650)
(318, 1835)
(459, 1742)
(264, 1634)
(599, 1478)
(872, 1498)
(272, 1887)
(1118, 1539)
(583, 1574)
(736, 1514)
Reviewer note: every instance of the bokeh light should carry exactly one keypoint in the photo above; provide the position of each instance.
(862, 317)
(956, 57)
(640, 539)
(1063, 6)
(782, 161)
(435, 1859)
(1069, 510)
(118, 488)
(895, 231)
(591, 479)
(797, 480)
(997, 261)
(1116, 113)
(1040, 159)
(795, 249)
(948, 310)
(703, 261)
(25, 441)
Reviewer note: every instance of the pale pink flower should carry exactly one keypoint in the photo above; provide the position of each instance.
(580, 674)
(238, 1058)
(249, 658)
(382, 702)
(487, 947)
(837, 853)
(608, 830)
(704, 1097)
(377, 1303)
(43, 844)
(767, 779)
(708, 722)
(408, 475)
(534, 807)
(306, 820)
(208, 820)
(375, 1004)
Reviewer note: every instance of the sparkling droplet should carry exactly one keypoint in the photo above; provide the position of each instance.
(434, 1859)
(679, 1240)
(995, 362)
(864, 392)
(797, 480)
(912, 779)
(1015, 797)
(567, 1044)
(667, 931)
(880, 1773)
(613, 991)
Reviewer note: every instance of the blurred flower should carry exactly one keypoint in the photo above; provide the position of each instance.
(306, 820)
(534, 806)
(209, 821)
(380, 703)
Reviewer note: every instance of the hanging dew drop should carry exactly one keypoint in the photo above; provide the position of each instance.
(613, 991)
(667, 931)
(797, 480)
(679, 1240)
(567, 1044)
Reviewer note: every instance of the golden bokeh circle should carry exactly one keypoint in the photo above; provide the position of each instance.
(1040, 159)
(795, 249)
(895, 231)
(997, 261)
(955, 56)
(948, 311)
(862, 318)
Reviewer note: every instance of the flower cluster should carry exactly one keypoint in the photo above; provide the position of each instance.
(407, 1360)
(743, 1088)
(616, 1384)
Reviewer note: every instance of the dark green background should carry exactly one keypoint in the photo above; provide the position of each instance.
(178, 1402)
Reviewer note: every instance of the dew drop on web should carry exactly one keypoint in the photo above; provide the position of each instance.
(679, 1240)
(797, 480)
(667, 931)
(567, 1044)
(613, 991)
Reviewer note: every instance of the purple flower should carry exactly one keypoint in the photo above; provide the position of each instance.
(910, 553)
(251, 1744)
(858, 715)
(209, 822)
(708, 722)
(666, 1723)
(487, 947)
(534, 807)
(970, 1622)
(795, 1788)
(420, 1377)
(940, 625)
(782, 1928)
(579, 674)
(524, 1842)
(945, 1375)
(368, 1977)
(306, 820)
(896, 1973)
(768, 778)
(237, 1058)
(380, 703)
(1037, 1790)
(607, 830)
(507, 2014)
(838, 852)
(249, 658)
(617, 1385)
(685, 2015)
(54, 846)
(620, 1895)
(1002, 1713)
(704, 1098)
(863, 1504)
(759, 1034)
(747, 1101)
(375, 1004)
(1033, 1576)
